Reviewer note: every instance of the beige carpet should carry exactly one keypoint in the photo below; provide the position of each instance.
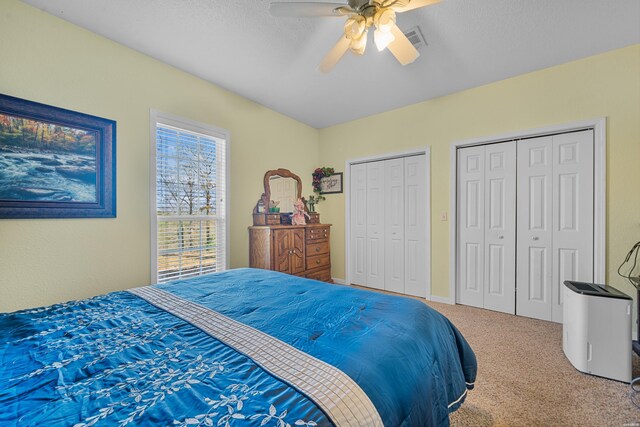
(524, 379)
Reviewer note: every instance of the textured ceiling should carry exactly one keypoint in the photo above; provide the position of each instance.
(237, 45)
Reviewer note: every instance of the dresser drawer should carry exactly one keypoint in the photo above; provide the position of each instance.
(318, 261)
(317, 248)
(317, 233)
(322, 275)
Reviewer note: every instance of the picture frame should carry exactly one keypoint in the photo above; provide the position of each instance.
(331, 184)
(55, 163)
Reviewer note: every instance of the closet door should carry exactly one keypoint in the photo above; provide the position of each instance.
(470, 274)
(394, 225)
(555, 220)
(573, 215)
(535, 227)
(500, 227)
(358, 226)
(415, 226)
(375, 250)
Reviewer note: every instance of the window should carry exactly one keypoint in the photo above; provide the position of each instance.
(189, 214)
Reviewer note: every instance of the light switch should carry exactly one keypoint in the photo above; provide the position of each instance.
(443, 216)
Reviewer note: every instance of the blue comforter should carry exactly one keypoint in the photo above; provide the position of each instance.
(119, 360)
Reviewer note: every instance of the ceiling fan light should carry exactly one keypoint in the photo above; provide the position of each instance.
(355, 27)
(358, 45)
(382, 39)
(384, 19)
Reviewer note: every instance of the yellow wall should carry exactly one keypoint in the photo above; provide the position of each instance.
(48, 60)
(51, 61)
(606, 85)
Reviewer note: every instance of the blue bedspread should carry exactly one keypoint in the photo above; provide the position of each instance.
(118, 360)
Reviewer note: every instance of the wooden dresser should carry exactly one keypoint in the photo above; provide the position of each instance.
(301, 250)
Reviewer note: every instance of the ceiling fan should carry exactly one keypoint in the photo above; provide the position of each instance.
(362, 14)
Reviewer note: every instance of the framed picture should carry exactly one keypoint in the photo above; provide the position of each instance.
(55, 163)
(331, 184)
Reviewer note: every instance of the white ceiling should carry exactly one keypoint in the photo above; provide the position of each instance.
(237, 45)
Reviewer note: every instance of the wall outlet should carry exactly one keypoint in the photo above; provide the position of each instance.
(444, 216)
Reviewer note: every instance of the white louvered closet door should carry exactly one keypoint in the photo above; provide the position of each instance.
(470, 274)
(358, 224)
(375, 250)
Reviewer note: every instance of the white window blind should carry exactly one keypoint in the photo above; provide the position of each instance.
(190, 203)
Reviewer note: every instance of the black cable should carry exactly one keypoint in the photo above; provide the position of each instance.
(636, 249)
(635, 383)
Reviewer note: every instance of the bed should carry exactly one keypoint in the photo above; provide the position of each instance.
(241, 347)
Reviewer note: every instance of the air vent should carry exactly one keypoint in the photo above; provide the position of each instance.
(415, 37)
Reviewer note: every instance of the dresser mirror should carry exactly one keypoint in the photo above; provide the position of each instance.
(283, 187)
(275, 244)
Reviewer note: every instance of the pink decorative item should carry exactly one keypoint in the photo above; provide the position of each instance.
(298, 217)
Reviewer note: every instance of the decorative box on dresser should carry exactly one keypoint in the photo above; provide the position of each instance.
(301, 250)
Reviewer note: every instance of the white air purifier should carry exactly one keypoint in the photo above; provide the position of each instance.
(596, 330)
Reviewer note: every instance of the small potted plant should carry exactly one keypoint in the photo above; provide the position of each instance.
(314, 217)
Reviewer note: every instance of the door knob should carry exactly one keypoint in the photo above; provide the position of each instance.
(500, 237)
(535, 238)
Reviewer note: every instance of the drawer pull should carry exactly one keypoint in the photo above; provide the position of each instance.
(318, 249)
(317, 261)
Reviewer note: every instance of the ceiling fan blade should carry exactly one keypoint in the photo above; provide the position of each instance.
(306, 9)
(334, 55)
(414, 4)
(402, 48)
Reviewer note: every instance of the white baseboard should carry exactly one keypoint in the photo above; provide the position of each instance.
(434, 298)
(443, 300)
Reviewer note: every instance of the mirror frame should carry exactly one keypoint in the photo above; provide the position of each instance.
(285, 173)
